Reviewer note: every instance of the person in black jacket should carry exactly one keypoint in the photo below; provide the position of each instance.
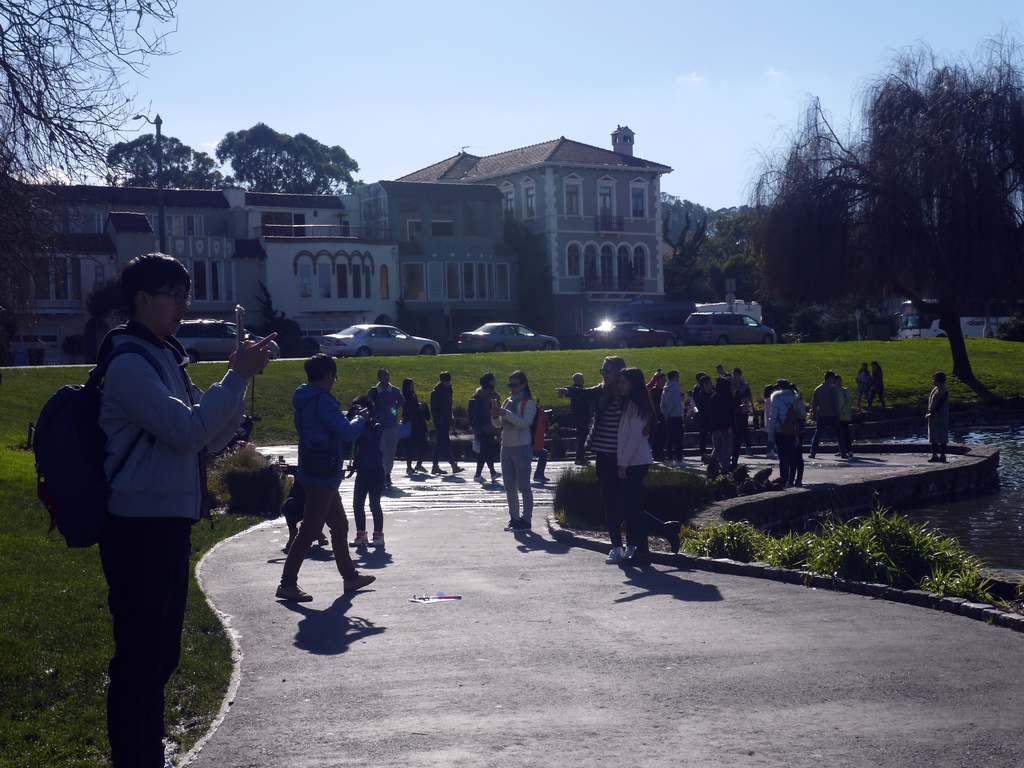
(701, 394)
(582, 414)
(415, 445)
(441, 407)
(722, 405)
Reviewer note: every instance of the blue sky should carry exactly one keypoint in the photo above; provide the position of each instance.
(707, 87)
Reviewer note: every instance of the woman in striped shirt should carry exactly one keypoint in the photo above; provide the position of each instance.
(604, 435)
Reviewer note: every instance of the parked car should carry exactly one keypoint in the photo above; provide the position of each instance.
(214, 340)
(499, 337)
(725, 328)
(627, 334)
(376, 340)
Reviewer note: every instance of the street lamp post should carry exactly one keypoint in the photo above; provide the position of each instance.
(161, 223)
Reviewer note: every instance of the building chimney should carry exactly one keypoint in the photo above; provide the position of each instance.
(622, 140)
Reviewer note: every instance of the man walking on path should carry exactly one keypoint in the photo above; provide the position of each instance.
(825, 410)
(322, 428)
(388, 401)
(441, 408)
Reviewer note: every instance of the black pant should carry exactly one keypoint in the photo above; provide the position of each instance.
(443, 445)
(146, 564)
(631, 503)
(740, 434)
(674, 438)
(488, 452)
(607, 468)
(369, 483)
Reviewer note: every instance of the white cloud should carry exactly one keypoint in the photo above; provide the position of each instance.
(775, 74)
(691, 79)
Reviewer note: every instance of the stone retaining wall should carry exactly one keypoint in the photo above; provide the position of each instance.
(975, 470)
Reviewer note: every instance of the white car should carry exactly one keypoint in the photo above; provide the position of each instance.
(370, 340)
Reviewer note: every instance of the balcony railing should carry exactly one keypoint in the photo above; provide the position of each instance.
(611, 283)
(607, 223)
(322, 231)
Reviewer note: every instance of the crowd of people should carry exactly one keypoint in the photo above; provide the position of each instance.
(626, 423)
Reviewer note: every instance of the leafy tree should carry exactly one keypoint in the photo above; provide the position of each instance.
(925, 200)
(685, 277)
(62, 66)
(133, 164)
(289, 335)
(104, 301)
(535, 292)
(264, 160)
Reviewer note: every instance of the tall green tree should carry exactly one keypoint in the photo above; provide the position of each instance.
(924, 199)
(685, 275)
(133, 164)
(263, 160)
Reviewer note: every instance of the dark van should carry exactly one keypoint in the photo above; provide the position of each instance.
(664, 315)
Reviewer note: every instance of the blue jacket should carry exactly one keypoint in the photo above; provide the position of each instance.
(369, 454)
(321, 424)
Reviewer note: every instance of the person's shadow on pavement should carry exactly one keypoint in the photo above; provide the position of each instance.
(330, 631)
(657, 582)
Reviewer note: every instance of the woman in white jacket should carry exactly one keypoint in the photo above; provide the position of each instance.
(514, 418)
(634, 460)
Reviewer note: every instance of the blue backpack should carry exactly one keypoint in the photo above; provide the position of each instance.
(70, 449)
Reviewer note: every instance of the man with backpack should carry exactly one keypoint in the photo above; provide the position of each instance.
(387, 402)
(160, 493)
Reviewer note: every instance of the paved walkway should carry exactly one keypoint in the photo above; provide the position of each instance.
(552, 657)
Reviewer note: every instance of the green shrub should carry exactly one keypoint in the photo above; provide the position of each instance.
(734, 540)
(251, 483)
(882, 547)
(668, 494)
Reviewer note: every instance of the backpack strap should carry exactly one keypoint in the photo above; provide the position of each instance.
(98, 373)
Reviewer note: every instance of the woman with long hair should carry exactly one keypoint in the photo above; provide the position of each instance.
(515, 418)
(634, 460)
(415, 445)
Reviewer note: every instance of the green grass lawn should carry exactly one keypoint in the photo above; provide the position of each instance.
(53, 605)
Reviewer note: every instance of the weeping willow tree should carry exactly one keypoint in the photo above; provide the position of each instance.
(924, 199)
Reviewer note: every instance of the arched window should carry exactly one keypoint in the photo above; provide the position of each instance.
(607, 264)
(572, 257)
(590, 261)
(624, 265)
(385, 290)
(357, 275)
(640, 261)
(341, 270)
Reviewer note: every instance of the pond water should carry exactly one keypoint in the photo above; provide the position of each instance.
(992, 525)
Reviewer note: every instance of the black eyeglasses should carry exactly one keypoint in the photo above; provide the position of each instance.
(607, 370)
(180, 297)
(514, 384)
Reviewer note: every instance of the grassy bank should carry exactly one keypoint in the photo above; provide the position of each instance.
(52, 666)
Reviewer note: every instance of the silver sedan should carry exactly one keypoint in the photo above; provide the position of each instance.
(372, 340)
(499, 337)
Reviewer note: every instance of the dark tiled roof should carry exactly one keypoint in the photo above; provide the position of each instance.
(276, 200)
(249, 249)
(125, 221)
(560, 151)
(139, 196)
(439, 191)
(88, 244)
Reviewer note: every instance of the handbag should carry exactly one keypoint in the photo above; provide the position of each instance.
(405, 429)
(319, 462)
